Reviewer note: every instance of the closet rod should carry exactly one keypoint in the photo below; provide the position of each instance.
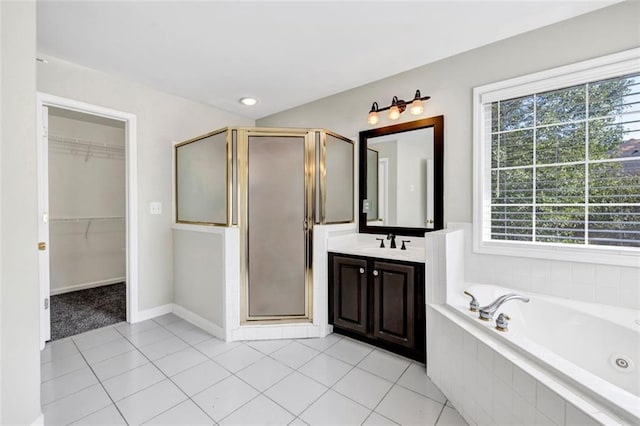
(85, 143)
(84, 219)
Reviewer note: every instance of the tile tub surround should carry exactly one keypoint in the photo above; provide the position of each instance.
(493, 385)
(155, 372)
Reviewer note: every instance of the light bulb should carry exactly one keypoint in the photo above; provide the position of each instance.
(373, 118)
(394, 113)
(416, 107)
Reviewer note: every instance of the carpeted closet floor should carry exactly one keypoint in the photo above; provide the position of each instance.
(79, 311)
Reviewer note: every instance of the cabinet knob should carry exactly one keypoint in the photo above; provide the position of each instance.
(375, 273)
(362, 270)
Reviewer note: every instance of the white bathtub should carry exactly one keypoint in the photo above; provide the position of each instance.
(576, 341)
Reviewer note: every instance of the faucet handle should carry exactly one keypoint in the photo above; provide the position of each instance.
(403, 246)
(473, 304)
(502, 322)
(381, 242)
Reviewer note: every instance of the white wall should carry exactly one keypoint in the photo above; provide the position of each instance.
(85, 184)
(19, 309)
(449, 82)
(161, 119)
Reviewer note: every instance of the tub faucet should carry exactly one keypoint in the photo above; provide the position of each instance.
(486, 312)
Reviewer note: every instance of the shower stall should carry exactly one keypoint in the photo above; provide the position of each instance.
(274, 185)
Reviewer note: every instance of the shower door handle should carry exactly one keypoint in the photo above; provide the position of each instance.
(305, 225)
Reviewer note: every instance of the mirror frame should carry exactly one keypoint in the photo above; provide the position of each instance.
(437, 123)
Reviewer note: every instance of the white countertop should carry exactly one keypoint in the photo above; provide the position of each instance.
(367, 245)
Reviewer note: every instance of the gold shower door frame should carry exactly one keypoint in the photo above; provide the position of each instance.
(242, 141)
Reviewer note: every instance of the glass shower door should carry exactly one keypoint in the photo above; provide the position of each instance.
(277, 227)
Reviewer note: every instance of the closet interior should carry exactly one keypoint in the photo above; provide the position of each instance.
(87, 234)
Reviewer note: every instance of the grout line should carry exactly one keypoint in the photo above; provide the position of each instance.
(440, 414)
(103, 388)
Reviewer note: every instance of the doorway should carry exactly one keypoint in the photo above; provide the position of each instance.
(86, 264)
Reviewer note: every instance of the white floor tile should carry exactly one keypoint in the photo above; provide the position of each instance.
(132, 381)
(108, 350)
(194, 336)
(259, 411)
(166, 319)
(296, 392)
(325, 369)
(66, 385)
(214, 347)
(294, 354)
(407, 407)
(267, 347)
(150, 402)
(180, 361)
(321, 343)
(298, 422)
(335, 409)
(62, 366)
(179, 326)
(128, 330)
(150, 336)
(450, 417)
(185, 413)
(349, 351)
(264, 373)
(107, 416)
(377, 419)
(223, 398)
(363, 387)
(384, 364)
(75, 406)
(238, 358)
(416, 379)
(96, 337)
(58, 350)
(119, 364)
(200, 377)
(163, 348)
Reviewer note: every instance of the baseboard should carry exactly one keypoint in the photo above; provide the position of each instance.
(198, 321)
(39, 421)
(153, 312)
(84, 286)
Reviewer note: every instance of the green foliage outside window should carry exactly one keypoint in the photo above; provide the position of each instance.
(565, 165)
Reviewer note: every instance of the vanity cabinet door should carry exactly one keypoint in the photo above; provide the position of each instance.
(350, 293)
(394, 303)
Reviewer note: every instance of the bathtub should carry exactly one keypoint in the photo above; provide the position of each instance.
(594, 348)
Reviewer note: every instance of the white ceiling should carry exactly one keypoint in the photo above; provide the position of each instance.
(283, 53)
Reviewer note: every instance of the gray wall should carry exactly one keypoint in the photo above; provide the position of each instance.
(19, 313)
(162, 119)
(199, 273)
(449, 82)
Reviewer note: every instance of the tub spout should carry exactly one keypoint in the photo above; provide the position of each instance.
(486, 312)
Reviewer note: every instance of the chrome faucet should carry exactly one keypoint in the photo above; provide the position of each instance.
(486, 312)
(393, 240)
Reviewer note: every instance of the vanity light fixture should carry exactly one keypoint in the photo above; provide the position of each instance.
(397, 107)
(248, 101)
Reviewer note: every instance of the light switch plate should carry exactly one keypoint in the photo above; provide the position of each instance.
(155, 208)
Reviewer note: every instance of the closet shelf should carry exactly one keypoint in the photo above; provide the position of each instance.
(85, 147)
(86, 219)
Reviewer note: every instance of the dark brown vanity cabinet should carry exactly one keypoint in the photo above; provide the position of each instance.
(379, 301)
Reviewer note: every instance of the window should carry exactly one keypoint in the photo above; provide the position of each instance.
(557, 158)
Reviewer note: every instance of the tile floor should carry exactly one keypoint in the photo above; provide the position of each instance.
(167, 371)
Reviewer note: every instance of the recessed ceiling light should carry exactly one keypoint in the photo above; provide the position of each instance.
(248, 101)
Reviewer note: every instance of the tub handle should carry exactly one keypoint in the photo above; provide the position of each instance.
(502, 322)
(473, 304)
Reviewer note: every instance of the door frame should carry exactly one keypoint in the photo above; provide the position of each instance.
(131, 197)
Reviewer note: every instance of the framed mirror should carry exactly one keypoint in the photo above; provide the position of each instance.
(401, 178)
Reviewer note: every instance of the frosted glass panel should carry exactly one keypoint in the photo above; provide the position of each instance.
(201, 180)
(339, 180)
(276, 241)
